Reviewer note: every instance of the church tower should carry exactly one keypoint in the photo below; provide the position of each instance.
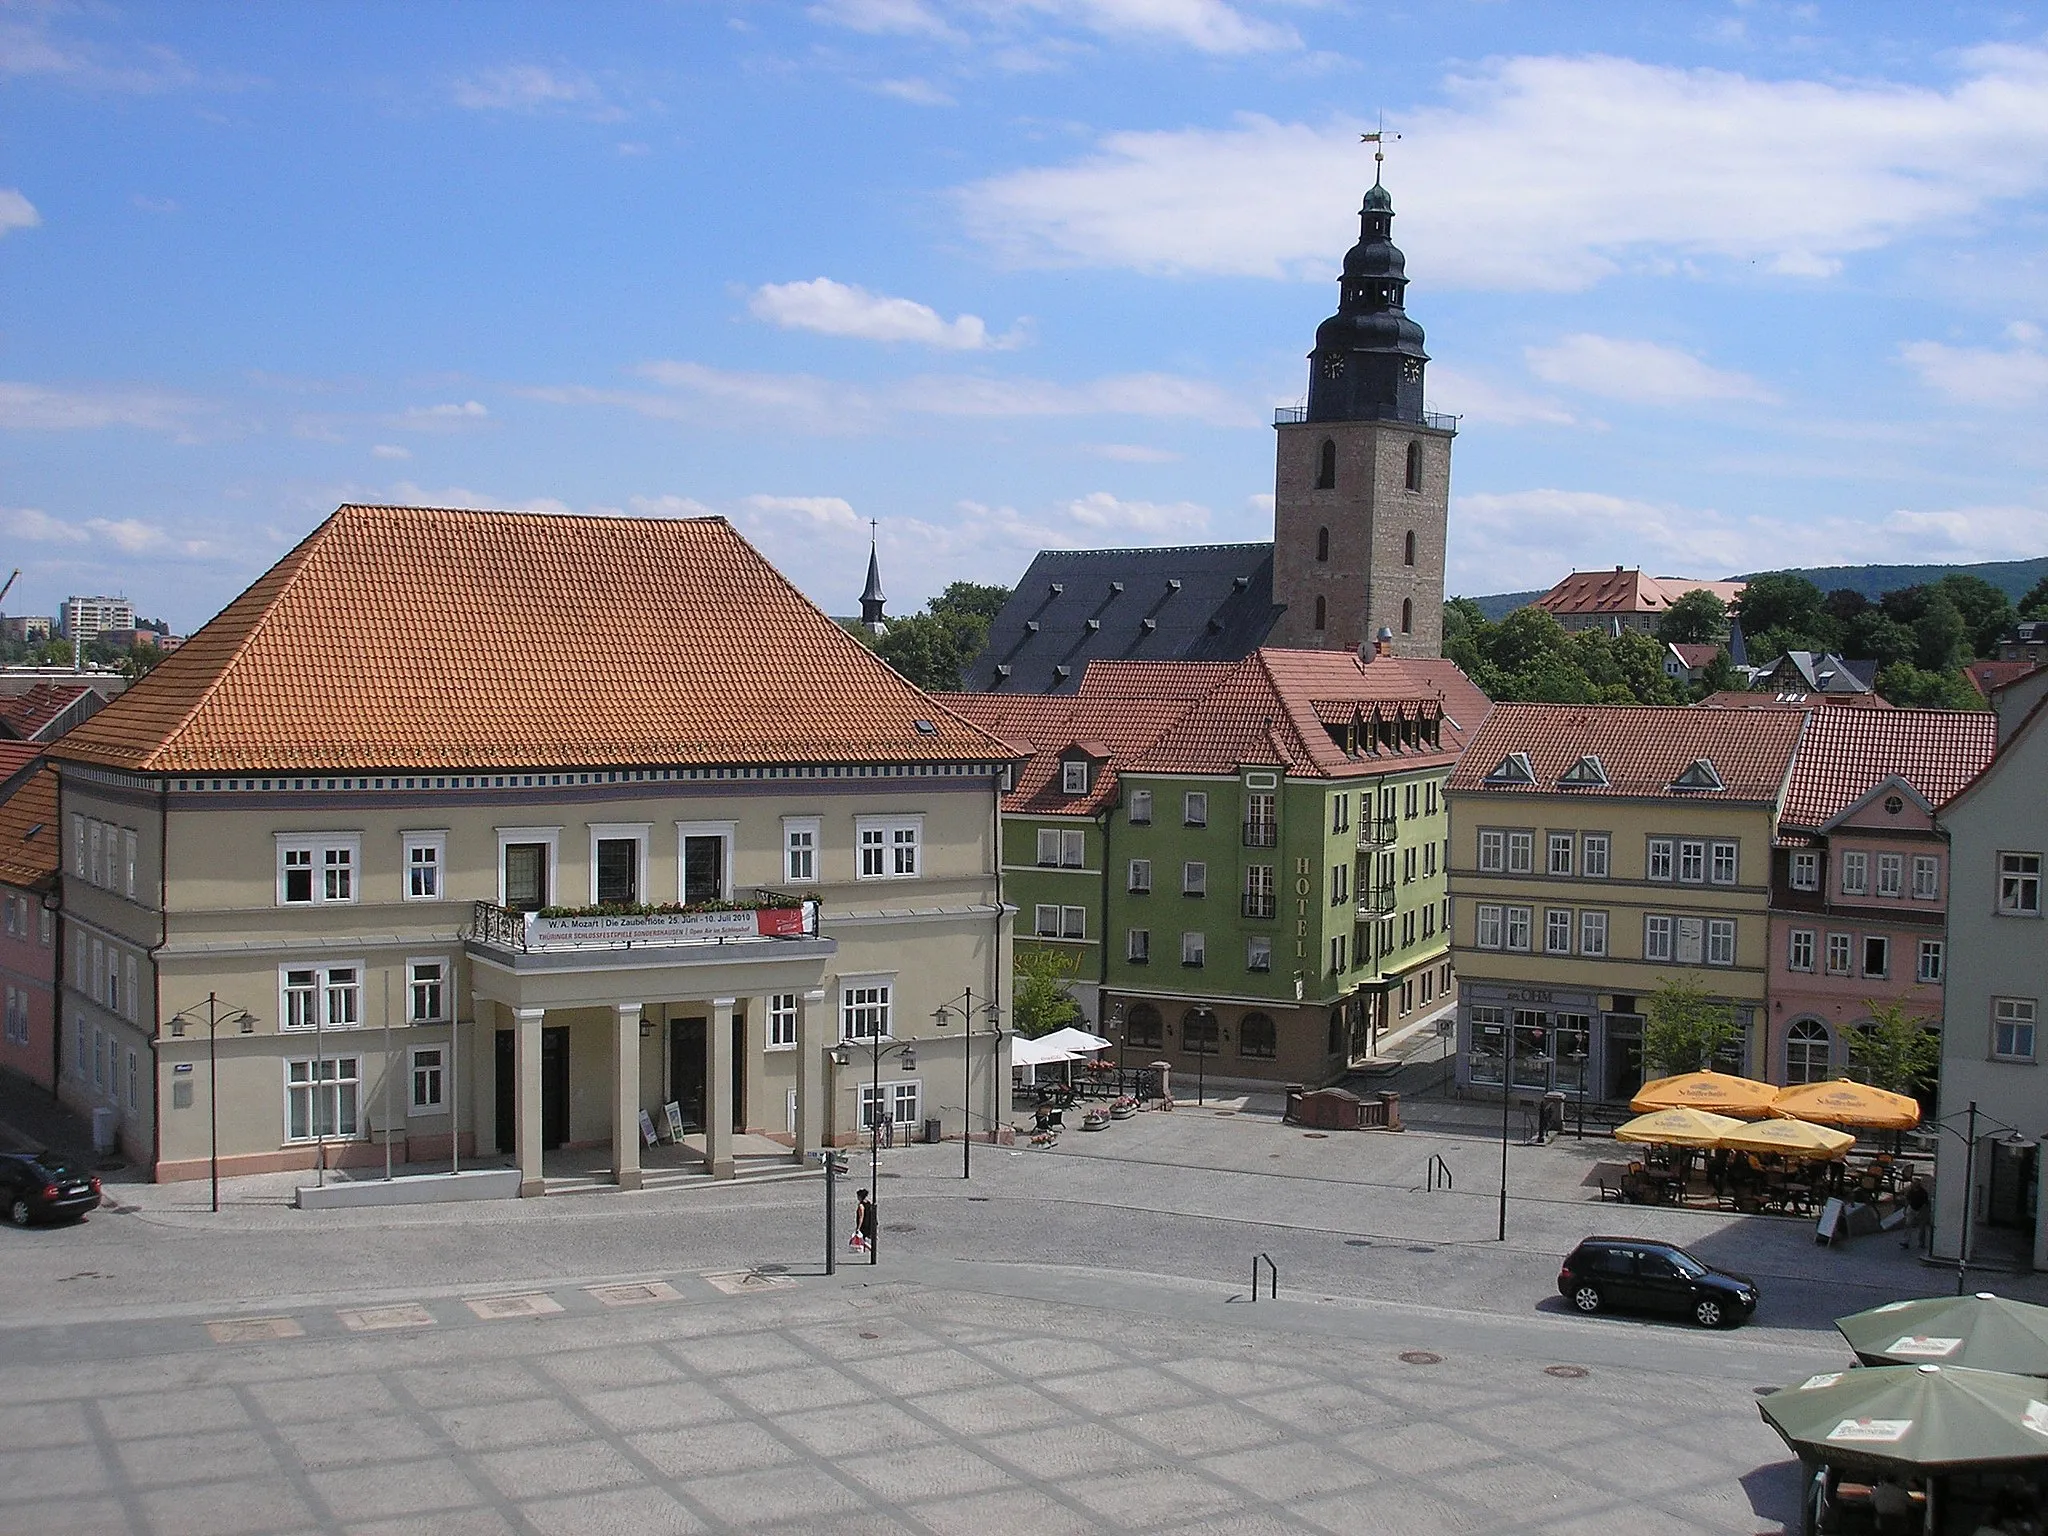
(871, 598)
(1362, 481)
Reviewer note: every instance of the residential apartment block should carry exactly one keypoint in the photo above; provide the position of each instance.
(1599, 850)
(85, 618)
(460, 888)
(1860, 879)
(28, 917)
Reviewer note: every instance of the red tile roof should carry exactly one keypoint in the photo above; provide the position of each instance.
(1697, 655)
(25, 716)
(1274, 707)
(28, 830)
(1643, 748)
(15, 756)
(1987, 675)
(420, 637)
(1848, 752)
(1623, 591)
(1736, 698)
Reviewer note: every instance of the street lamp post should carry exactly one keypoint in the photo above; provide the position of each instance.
(943, 1016)
(2014, 1137)
(1507, 1083)
(213, 1021)
(877, 1050)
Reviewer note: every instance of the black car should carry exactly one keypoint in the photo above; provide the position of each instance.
(40, 1186)
(1637, 1274)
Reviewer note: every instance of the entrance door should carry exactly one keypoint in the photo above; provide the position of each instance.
(739, 1073)
(1624, 1056)
(686, 1069)
(554, 1089)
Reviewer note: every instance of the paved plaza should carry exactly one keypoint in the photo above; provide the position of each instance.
(1065, 1342)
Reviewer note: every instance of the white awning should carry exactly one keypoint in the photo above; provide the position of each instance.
(1038, 1053)
(1077, 1041)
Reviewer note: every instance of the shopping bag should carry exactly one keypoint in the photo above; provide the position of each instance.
(857, 1243)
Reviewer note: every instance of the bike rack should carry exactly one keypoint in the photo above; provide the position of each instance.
(1439, 1172)
(1273, 1272)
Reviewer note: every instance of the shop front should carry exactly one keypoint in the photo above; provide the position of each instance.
(1532, 1039)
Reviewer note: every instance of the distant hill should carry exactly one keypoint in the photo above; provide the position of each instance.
(2015, 578)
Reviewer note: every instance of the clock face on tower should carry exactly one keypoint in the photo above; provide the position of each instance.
(1333, 366)
(1411, 369)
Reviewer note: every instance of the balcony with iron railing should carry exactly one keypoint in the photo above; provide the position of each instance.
(1261, 904)
(1296, 415)
(1262, 834)
(1378, 832)
(1376, 901)
(759, 916)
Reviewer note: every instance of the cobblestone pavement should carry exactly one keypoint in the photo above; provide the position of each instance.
(1061, 1343)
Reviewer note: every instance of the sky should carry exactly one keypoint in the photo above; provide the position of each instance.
(1713, 287)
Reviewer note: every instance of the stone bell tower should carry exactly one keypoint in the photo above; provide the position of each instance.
(1362, 482)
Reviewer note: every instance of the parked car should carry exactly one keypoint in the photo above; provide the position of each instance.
(1639, 1274)
(41, 1186)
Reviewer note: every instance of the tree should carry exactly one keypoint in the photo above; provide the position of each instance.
(2035, 604)
(1909, 687)
(1683, 1027)
(138, 661)
(1789, 608)
(1720, 675)
(1877, 636)
(1986, 611)
(1698, 618)
(1895, 1051)
(925, 651)
(1941, 638)
(1042, 1002)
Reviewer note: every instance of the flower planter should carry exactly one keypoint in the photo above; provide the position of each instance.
(1122, 1111)
(1094, 1120)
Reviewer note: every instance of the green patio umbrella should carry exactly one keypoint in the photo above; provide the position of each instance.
(1896, 1418)
(1987, 1332)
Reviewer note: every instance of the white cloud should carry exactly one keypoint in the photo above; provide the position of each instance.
(450, 416)
(389, 451)
(525, 88)
(1138, 394)
(669, 506)
(16, 211)
(1207, 26)
(841, 309)
(31, 49)
(900, 18)
(919, 93)
(1133, 453)
(1519, 540)
(1622, 369)
(1102, 514)
(130, 535)
(1552, 173)
(38, 527)
(1478, 399)
(39, 408)
(2016, 376)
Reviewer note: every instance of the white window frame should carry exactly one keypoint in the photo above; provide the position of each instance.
(1558, 850)
(1724, 856)
(1855, 873)
(1074, 776)
(1487, 928)
(435, 843)
(1137, 946)
(1926, 877)
(1594, 848)
(1800, 950)
(1073, 848)
(1515, 920)
(95, 832)
(1493, 851)
(1073, 922)
(1048, 847)
(446, 984)
(1720, 941)
(1593, 933)
(1139, 877)
(1863, 966)
(640, 834)
(318, 845)
(1140, 811)
(1844, 946)
(888, 845)
(1258, 952)
(1660, 937)
(1891, 875)
(1692, 861)
(78, 844)
(331, 1077)
(801, 836)
(727, 833)
(128, 861)
(1805, 871)
(549, 837)
(1661, 862)
(95, 977)
(133, 1010)
(885, 984)
(1194, 949)
(2019, 886)
(1521, 853)
(1045, 920)
(1557, 930)
(2014, 1014)
(426, 1067)
(781, 1023)
(1337, 952)
(322, 996)
(1931, 966)
(1194, 808)
(1194, 877)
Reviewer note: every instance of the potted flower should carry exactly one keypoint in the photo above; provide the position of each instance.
(1096, 1119)
(1123, 1108)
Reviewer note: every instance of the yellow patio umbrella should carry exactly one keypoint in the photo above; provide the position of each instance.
(1789, 1138)
(1716, 1092)
(1677, 1128)
(1843, 1102)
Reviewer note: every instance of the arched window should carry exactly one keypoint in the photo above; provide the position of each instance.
(1414, 465)
(1198, 1031)
(1408, 549)
(1322, 613)
(1407, 616)
(1143, 1026)
(1322, 544)
(1326, 467)
(1808, 1052)
(1257, 1036)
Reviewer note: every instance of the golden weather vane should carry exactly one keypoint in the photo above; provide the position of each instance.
(1379, 139)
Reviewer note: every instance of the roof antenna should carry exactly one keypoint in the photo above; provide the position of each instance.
(1379, 138)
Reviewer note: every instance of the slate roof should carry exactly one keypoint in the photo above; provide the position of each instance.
(1120, 708)
(1206, 602)
(28, 830)
(1277, 707)
(1737, 698)
(1825, 672)
(1642, 747)
(1621, 591)
(430, 638)
(47, 710)
(1847, 752)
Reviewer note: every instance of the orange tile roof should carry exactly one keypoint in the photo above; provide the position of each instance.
(1625, 591)
(28, 830)
(17, 755)
(25, 715)
(1737, 698)
(1274, 707)
(1643, 748)
(1987, 675)
(420, 637)
(1847, 752)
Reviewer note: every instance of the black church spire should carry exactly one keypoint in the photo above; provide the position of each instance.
(1368, 361)
(871, 599)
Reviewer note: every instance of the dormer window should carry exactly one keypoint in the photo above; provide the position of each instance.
(1700, 775)
(1513, 769)
(1586, 771)
(1074, 778)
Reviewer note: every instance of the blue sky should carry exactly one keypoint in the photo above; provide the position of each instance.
(1714, 286)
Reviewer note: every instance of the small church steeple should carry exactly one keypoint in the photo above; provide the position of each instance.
(872, 599)
(1368, 361)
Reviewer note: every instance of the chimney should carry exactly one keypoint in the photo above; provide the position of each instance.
(1383, 642)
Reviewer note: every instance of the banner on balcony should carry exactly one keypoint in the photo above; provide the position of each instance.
(667, 928)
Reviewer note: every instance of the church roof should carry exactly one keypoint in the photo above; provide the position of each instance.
(1073, 607)
(430, 638)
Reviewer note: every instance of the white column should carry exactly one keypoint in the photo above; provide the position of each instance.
(626, 1098)
(526, 1068)
(810, 1074)
(718, 1090)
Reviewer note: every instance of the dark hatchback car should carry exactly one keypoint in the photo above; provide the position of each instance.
(40, 1186)
(1635, 1274)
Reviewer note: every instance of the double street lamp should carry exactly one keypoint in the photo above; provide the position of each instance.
(213, 1019)
(842, 1055)
(2014, 1137)
(943, 1016)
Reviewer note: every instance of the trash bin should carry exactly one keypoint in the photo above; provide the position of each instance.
(106, 1129)
(934, 1133)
